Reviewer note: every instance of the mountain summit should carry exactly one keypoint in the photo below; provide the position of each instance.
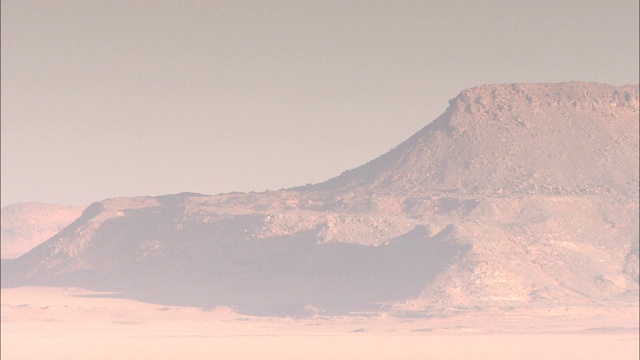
(517, 139)
(516, 196)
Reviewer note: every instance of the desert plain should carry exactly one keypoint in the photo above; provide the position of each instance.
(71, 323)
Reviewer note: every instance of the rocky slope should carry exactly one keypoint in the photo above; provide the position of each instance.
(571, 138)
(26, 225)
(518, 195)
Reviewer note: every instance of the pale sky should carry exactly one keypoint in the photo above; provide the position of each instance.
(104, 99)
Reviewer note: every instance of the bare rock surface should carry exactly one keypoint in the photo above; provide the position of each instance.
(518, 196)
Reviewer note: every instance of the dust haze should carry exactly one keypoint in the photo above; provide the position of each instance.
(502, 224)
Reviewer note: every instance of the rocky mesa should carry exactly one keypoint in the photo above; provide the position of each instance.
(518, 195)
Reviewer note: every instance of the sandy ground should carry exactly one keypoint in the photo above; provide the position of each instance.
(50, 323)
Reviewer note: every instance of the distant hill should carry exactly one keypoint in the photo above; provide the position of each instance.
(26, 225)
(518, 195)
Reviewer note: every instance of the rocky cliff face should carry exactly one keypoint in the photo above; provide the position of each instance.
(518, 195)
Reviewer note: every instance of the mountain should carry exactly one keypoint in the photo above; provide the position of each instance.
(26, 225)
(517, 139)
(518, 195)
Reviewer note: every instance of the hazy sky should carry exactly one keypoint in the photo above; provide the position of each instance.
(119, 98)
